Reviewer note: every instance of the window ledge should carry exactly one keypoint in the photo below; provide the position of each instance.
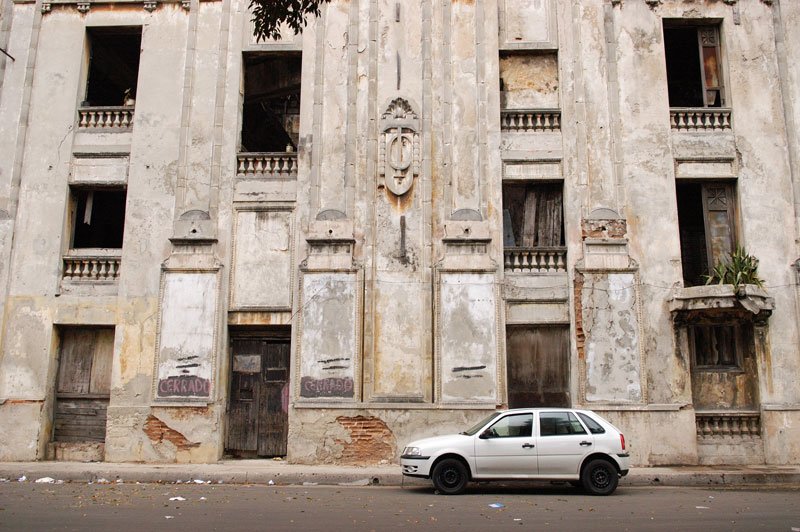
(721, 298)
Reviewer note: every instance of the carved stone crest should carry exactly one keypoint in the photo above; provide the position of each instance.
(399, 146)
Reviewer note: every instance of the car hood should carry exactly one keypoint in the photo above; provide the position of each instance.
(438, 442)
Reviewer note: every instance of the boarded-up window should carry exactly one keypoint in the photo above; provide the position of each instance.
(694, 75)
(84, 384)
(706, 219)
(717, 346)
(533, 215)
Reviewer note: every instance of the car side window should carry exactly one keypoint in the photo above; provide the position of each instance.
(513, 426)
(594, 426)
(559, 424)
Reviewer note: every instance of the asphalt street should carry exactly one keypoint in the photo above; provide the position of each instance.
(188, 506)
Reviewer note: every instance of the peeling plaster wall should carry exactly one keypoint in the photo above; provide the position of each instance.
(383, 312)
(611, 326)
(368, 435)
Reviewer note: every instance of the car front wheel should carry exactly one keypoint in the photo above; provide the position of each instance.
(450, 476)
(600, 477)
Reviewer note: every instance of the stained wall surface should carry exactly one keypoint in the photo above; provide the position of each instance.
(379, 240)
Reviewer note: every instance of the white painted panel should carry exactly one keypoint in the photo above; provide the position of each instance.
(262, 264)
(527, 21)
(400, 302)
(709, 168)
(468, 337)
(99, 170)
(328, 343)
(611, 326)
(532, 170)
(186, 340)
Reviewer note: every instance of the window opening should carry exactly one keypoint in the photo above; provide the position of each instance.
(694, 74)
(271, 108)
(559, 424)
(717, 346)
(113, 66)
(594, 426)
(514, 426)
(533, 215)
(706, 221)
(98, 218)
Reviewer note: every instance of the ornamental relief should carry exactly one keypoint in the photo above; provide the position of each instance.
(399, 146)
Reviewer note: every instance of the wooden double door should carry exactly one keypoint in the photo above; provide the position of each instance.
(538, 366)
(258, 420)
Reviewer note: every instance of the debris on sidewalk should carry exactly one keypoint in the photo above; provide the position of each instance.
(45, 480)
(23, 478)
(497, 505)
(177, 498)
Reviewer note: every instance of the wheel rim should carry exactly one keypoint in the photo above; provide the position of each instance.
(600, 477)
(450, 477)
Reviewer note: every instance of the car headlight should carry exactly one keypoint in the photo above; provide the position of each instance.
(411, 451)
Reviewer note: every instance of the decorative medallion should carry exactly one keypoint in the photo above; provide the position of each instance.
(399, 146)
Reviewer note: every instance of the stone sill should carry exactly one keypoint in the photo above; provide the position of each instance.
(721, 296)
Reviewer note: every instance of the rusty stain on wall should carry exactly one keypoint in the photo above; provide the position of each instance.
(371, 440)
(158, 432)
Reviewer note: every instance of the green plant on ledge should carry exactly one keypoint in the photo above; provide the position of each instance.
(740, 269)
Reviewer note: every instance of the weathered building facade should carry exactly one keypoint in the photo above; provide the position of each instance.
(411, 214)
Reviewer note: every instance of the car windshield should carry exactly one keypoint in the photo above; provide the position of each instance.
(475, 428)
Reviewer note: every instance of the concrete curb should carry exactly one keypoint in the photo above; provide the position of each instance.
(281, 473)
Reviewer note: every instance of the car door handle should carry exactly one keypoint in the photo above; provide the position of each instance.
(585, 443)
(527, 446)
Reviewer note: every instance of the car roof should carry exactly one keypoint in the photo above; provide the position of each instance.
(544, 409)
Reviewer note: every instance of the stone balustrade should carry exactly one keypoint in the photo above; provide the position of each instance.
(282, 164)
(91, 268)
(734, 424)
(536, 120)
(700, 119)
(536, 260)
(107, 118)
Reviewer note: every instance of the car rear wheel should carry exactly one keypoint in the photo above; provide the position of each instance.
(450, 476)
(600, 477)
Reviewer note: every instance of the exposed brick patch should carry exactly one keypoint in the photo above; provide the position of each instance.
(370, 440)
(580, 335)
(158, 432)
(604, 228)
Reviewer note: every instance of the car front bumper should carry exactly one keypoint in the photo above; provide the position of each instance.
(416, 466)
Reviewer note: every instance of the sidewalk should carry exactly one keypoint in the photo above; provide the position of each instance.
(282, 473)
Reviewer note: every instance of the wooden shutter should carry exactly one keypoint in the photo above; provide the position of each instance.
(718, 212)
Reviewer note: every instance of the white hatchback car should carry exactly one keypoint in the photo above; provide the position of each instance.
(524, 444)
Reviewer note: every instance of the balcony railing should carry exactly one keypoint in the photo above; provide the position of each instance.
(700, 119)
(536, 120)
(536, 260)
(91, 267)
(746, 425)
(282, 164)
(107, 118)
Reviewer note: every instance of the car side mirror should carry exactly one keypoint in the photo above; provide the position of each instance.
(486, 434)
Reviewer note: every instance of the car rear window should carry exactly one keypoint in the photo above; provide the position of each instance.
(594, 426)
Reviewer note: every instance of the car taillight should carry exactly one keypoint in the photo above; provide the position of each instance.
(622, 440)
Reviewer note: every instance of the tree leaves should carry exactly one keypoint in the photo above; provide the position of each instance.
(269, 15)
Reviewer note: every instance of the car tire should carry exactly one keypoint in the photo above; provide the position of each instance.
(600, 477)
(450, 476)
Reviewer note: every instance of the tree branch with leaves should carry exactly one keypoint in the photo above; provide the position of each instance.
(269, 15)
